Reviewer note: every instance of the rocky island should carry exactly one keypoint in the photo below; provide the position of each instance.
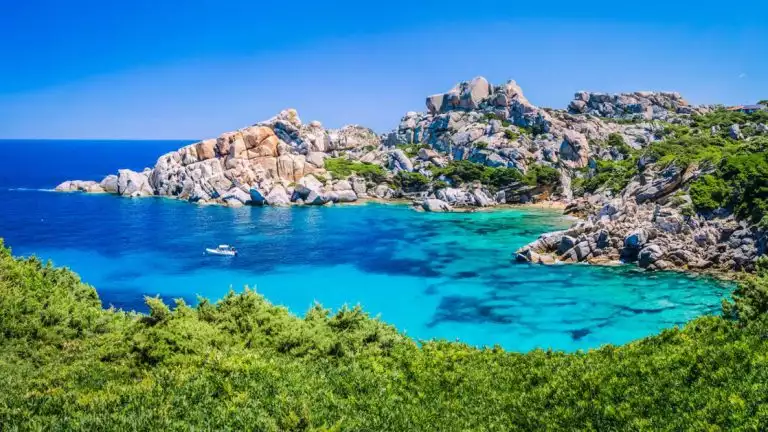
(655, 180)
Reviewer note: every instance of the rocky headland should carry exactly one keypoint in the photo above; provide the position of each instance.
(644, 170)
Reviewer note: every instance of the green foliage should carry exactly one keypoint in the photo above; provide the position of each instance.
(464, 171)
(511, 135)
(613, 175)
(439, 184)
(480, 145)
(709, 193)
(747, 176)
(411, 181)
(244, 364)
(740, 182)
(542, 175)
(343, 168)
(750, 299)
(412, 150)
(616, 141)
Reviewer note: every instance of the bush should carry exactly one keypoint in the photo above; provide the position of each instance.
(244, 364)
(411, 181)
(464, 171)
(343, 168)
(748, 177)
(709, 193)
(511, 135)
(616, 141)
(542, 175)
(480, 145)
(613, 175)
(412, 150)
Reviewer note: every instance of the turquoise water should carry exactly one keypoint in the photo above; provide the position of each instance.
(447, 276)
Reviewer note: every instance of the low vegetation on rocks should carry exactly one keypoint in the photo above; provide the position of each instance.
(241, 363)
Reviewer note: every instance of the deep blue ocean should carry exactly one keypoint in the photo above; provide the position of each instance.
(448, 276)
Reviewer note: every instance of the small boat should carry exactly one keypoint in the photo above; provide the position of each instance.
(225, 250)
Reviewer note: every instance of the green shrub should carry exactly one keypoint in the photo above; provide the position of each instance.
(616, 141)
(542, 175)
(244, 364)
(613, 175)
(412, 150)
(464, 171)
(411, 181)
(343, 168)
(481, 145)
(709, 193)
(439, 184)
(511, 135)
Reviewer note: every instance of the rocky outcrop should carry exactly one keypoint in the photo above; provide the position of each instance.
(654, 235)
(493, 125)
(629, 106)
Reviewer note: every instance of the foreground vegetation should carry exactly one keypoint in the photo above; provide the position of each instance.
(68, 364)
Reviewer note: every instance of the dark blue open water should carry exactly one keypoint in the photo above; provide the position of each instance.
(433, 275)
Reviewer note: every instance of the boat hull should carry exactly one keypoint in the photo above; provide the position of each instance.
(220, 253)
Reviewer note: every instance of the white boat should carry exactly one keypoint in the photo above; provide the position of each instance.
(225, 250)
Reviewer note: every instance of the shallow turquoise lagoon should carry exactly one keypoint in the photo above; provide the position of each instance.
(448, 276)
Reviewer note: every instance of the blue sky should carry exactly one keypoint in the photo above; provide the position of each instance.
(155, 69)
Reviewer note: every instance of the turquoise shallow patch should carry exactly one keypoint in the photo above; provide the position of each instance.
(447, 276)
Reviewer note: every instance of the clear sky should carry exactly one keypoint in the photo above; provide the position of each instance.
(196, 68)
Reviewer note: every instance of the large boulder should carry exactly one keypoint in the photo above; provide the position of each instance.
(290, 167)
(435, 205)
(260, 141)
(574, 150)
(649, 255)
(206, 149)
(278, 197)
(109, 184)
(353, 137)
(133, 184)
(636, 239)
(399, 161)
(467, 95)
(307, 185)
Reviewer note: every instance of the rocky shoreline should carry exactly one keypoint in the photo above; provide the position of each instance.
(478, 146)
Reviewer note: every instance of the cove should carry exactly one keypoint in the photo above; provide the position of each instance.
(447, 276)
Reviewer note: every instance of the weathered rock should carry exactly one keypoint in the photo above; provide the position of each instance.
(342, 185)
(649, 255)
(317, 159)
(574, 150)
(636, 239)
(345, 196)
(278, 197)
(257, 196)
(566, 243)
(435, 205)
(307, 185)
(133, 184)
(109, 184)
(398, 161)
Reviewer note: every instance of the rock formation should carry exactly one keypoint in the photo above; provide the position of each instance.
(283, 161)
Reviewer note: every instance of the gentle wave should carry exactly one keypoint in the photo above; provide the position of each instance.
(22, 189)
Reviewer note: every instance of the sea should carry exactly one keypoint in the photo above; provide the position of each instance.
(433, 276)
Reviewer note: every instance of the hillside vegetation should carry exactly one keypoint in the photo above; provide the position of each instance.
(243, 364)
(733, 170)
